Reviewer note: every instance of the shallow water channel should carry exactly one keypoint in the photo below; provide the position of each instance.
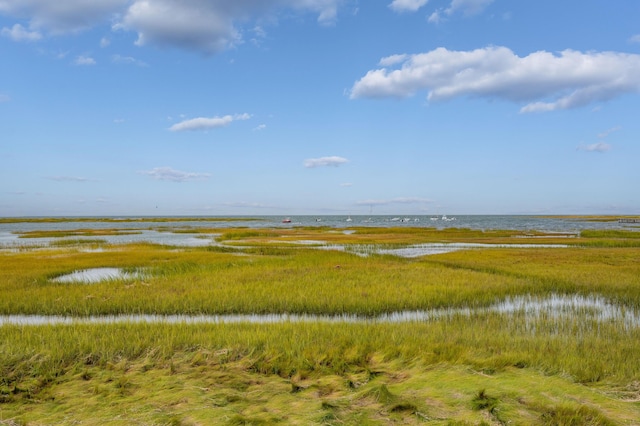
(555, 307)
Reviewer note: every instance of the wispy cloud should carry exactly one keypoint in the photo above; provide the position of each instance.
(260, 127)
(635, 38)
(465, 7)
(84, 60)
(595, 147)
(69, 179)
(398, 200)
(204, 123)
(609, 131)
(170, 174)
(332, 161)
(4, 98)
(128, 60)
(570, 79)
(20, 33)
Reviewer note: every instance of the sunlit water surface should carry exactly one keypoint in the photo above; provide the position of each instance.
(555, 307)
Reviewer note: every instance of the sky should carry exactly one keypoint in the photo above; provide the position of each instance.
(293, 107)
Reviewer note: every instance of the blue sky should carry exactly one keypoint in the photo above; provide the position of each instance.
(286, 107)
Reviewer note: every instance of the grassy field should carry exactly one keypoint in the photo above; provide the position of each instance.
(475, 368)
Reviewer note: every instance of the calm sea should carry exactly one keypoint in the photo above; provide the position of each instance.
(159, 232)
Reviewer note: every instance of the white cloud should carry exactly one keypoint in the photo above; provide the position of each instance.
(84, 60)
(332, 161)
(466, 7)
(635, 38)
(62, 16)
(167, 173)
(407, 5)
(398, 200)
(4, 98)
(203, 123)
(206, 26)
(595, 147)
(104, 42)
(20, 33)
(392, 60)
(608, 132)
(543, 80)
(69, 179)
(260, 127)
(119, 59)
(346, 184)
(209, 27)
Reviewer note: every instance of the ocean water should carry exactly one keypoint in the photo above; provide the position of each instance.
(158, 232)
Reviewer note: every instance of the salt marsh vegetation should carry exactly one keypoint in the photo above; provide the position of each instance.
(241, 331)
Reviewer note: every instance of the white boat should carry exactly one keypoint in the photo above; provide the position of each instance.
(349, 219)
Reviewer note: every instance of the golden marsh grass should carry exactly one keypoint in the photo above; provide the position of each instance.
(480, 368)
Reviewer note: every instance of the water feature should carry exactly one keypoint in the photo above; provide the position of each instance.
(95, 275)
(556, 306)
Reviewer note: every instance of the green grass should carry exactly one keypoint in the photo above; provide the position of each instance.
(482, 368)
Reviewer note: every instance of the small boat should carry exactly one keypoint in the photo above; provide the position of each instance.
(349, 219)
(286, 220)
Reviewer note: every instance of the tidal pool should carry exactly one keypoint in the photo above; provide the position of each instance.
(96, 275)
(554, 307)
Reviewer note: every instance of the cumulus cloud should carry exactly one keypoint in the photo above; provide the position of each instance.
(204, 123)
(84, 60)
(62, 16)
(542, 80)
(209, 27)
(392, 60)
(398, 200)
(332, 161)
(407, 5)
(167, 173)
(20, 33)
(206, 26)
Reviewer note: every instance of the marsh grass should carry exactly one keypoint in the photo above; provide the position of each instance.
(412, 371)
(533, 369)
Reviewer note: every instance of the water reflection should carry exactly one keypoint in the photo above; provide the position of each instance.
(95, 275)
(556, 307)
